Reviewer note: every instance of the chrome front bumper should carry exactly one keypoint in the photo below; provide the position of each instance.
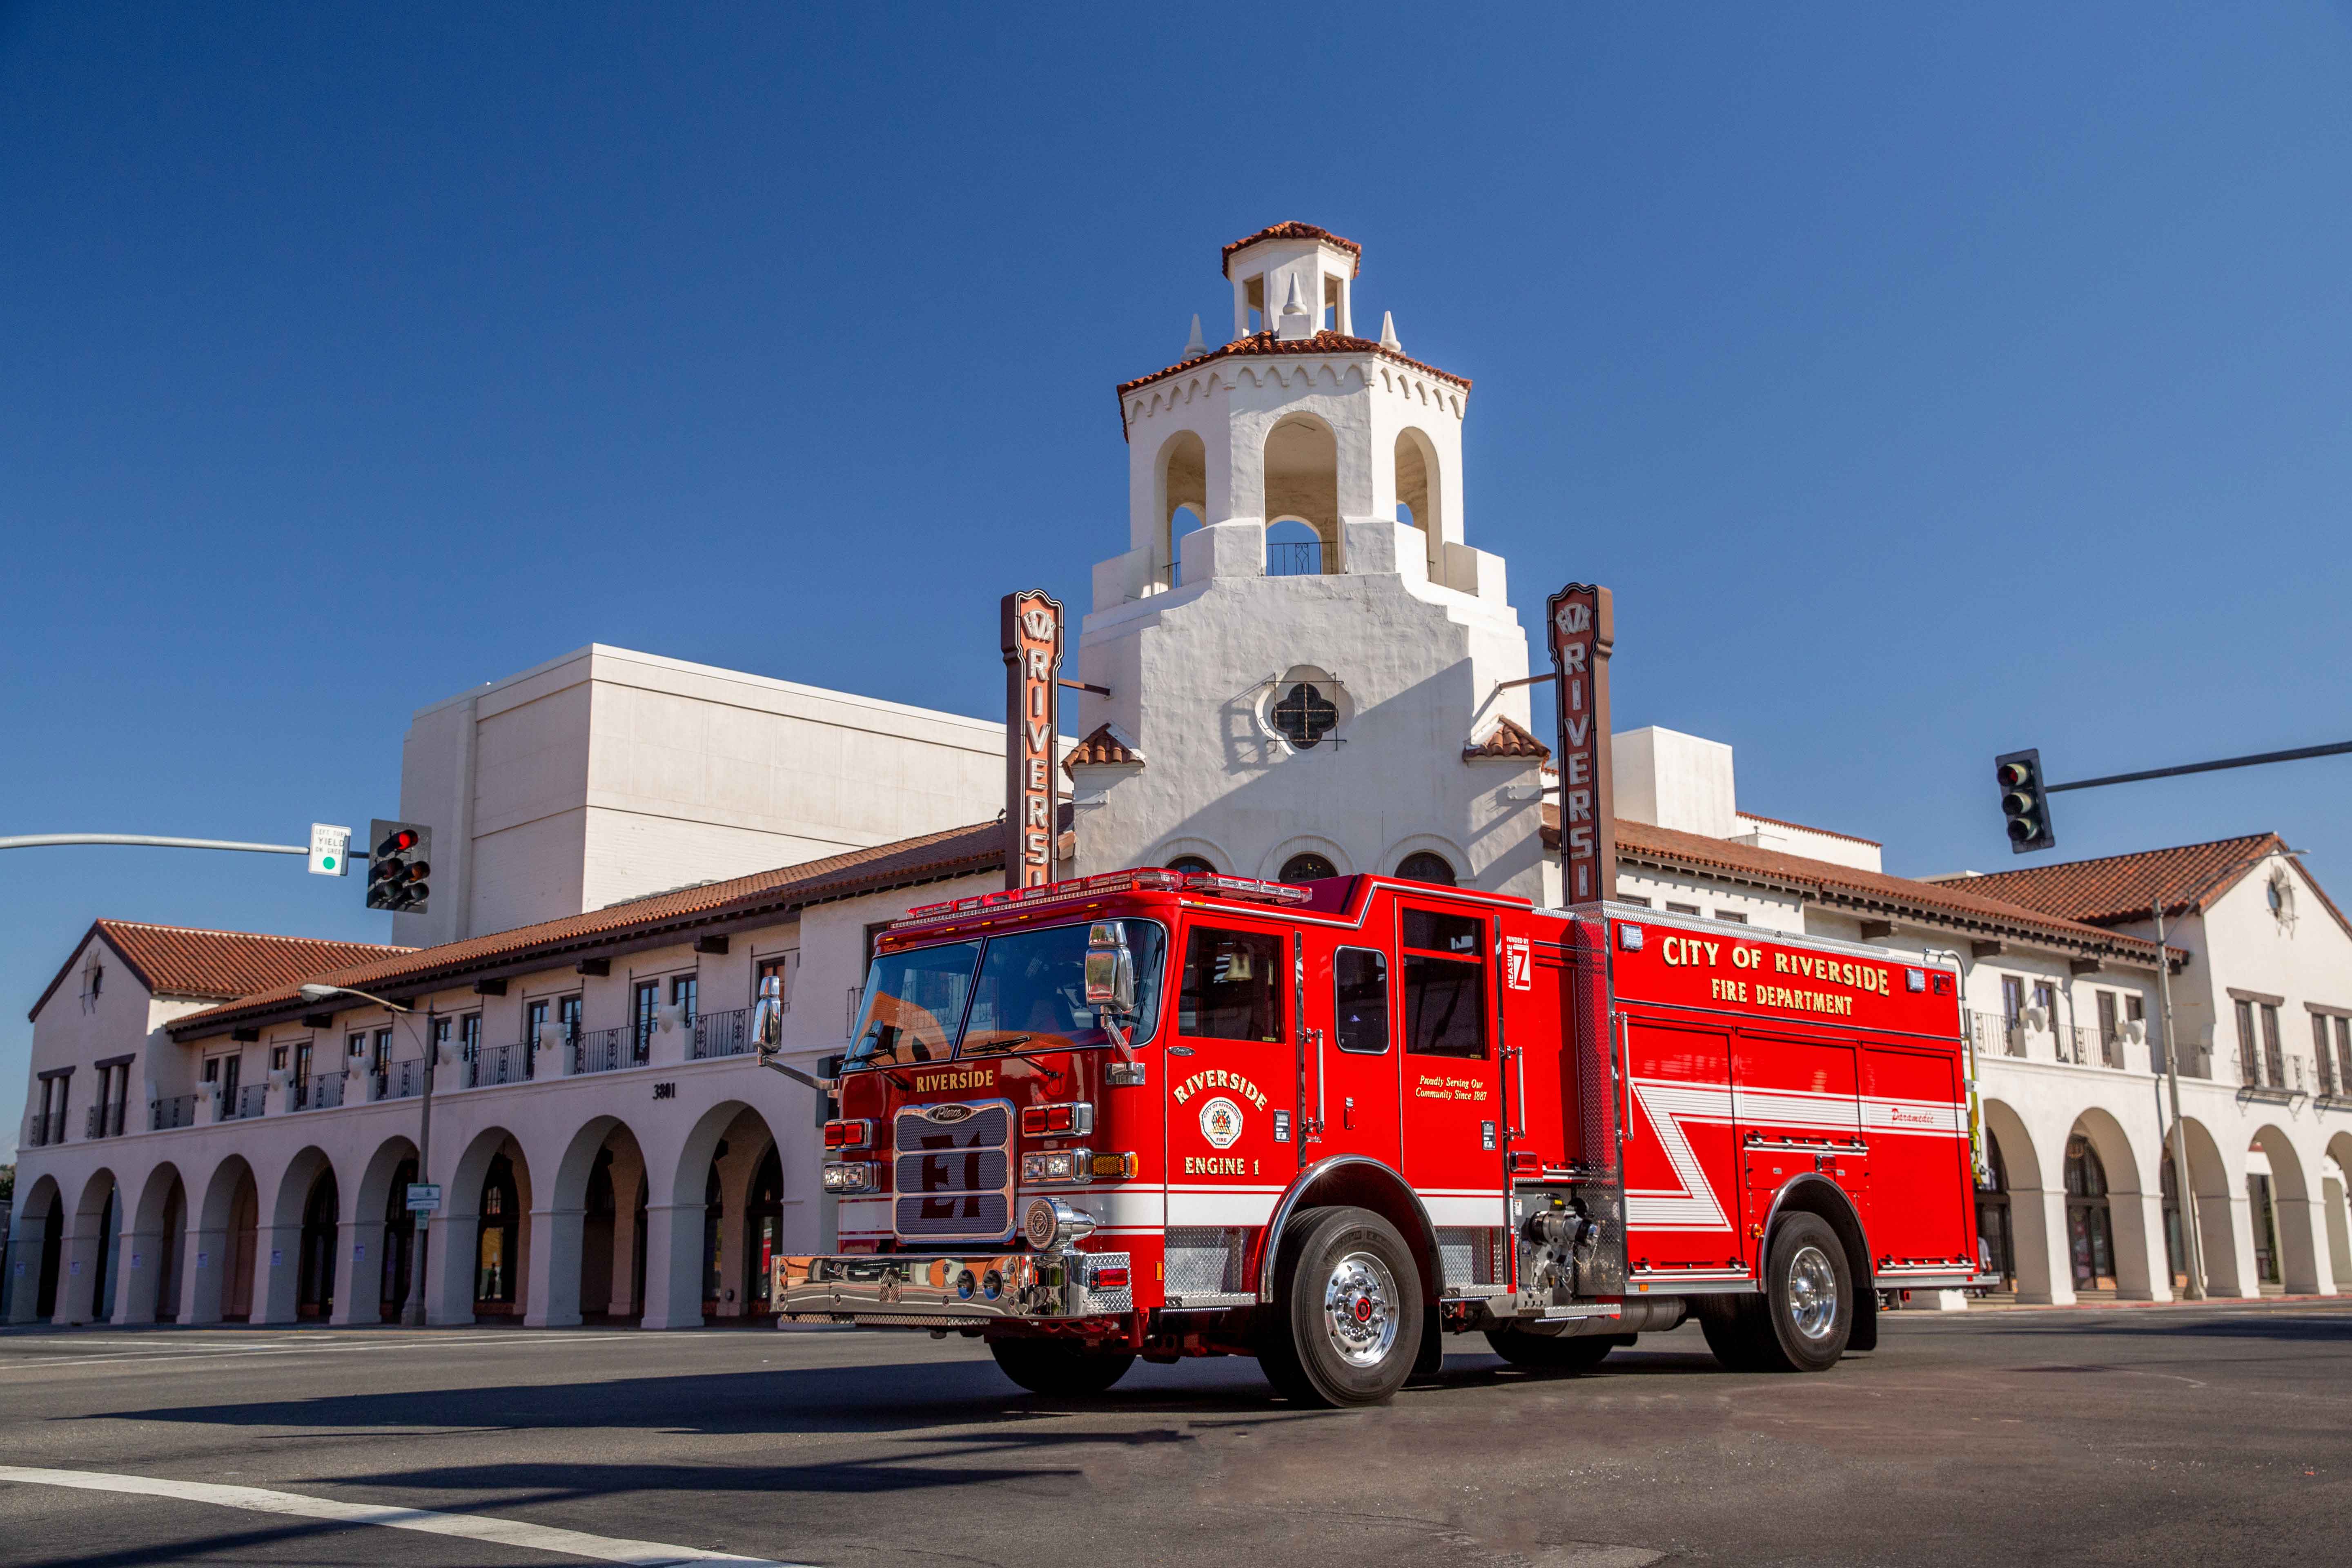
(898, 1290)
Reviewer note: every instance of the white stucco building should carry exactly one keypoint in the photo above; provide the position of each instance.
(1303, 667)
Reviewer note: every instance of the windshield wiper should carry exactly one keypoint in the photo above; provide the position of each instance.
(994, 1046)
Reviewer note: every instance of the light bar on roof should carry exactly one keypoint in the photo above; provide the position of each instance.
(1144, 879)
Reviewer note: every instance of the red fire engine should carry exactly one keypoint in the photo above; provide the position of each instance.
(1162, 1113)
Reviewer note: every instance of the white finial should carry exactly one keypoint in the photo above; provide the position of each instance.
(1193, 346)
(1295, 322)
(1388, 333)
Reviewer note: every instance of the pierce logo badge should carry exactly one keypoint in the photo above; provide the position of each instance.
(947, 1114)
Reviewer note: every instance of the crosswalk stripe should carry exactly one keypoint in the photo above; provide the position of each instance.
(469, 1527)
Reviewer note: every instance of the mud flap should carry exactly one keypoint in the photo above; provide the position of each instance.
(1863, 1335)
(1431, 1359)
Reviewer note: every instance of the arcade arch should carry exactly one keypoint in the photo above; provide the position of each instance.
(37, 1247)
(2106, 1211)
(2023, 1209)
(2295, 1260)
(85, 1295)
(2335, 1177)
(482, 1237)
(699, 1250)
(152, 1287)
(383, 1235)
(223, 1242)
(588, 1257)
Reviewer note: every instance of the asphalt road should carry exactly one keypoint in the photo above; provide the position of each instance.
(2219, 1435)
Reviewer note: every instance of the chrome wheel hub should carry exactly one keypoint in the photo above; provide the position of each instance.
(1813, 1293)
(1359, 1309)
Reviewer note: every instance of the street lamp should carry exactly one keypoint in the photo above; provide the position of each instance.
(2192, 1246)
(412, 1309)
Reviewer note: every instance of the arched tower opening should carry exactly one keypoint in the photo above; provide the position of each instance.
(1184, 488)
(1302, 480)
(1419, 493)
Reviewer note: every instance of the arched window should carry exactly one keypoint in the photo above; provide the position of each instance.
(1996, 1251)
(1427, 866)
(763, 1221)
(1307, 866)
(497, 1259)
(1304, 714)
(1191, 863)
(1302, 480)
(2090, 1230)
(314, 1287)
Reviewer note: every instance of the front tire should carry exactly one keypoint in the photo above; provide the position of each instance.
(1058, 1368)
(1348, 1317)
(1551, 1353)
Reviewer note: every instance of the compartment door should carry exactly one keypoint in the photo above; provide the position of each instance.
(1681, 1197)
(1797, 1113)
(1922, 1182)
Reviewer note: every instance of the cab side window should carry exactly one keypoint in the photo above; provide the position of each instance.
(1445, 985)
(1360, 1012)
(1232, 985)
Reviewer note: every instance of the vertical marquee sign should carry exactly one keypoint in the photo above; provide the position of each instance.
(1033, 671)
(1582, 630)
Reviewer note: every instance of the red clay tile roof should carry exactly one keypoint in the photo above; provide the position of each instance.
(1106, 745)
(1852, 891)
(1292, 229)
(1265, 343)
(186, 962)
(1800, 828)
(1507, 740)
(687, 912)
(2120, 888)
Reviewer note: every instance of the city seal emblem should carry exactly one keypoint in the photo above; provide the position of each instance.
(1221, 1122)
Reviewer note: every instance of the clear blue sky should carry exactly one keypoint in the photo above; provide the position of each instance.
(1927, 383)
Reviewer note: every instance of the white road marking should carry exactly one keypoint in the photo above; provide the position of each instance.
(43, 1359)
(468, 1526)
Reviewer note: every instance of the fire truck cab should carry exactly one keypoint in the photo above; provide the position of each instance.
(1161, 1113)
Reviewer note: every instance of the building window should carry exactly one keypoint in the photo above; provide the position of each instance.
(645, 1011)
(212, 1070)
(2344, 1055)
(1682, 909)
(1232, 985)
(383, 1041)
(1360, 1010)
(277, 1058)
(1733, 916)
(2265, 1226)
(1634, 898)
(780, 967)
(2321, 1055)
(1192, 863)
(567, 1018)
(2273, 1050)
(683, 991)
(2090, 1232)
(356, 1044)
(1307, 866)
(1425, 866)
(1305, 715)
(469, 1036)
(2250, 1055)
(1445, 985)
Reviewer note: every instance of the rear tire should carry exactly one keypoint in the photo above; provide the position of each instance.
(1551, 1353)
(1058, 1368)
(1345, 1326)
(1804, 1317)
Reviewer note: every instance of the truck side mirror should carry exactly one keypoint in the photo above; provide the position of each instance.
(1110, 969)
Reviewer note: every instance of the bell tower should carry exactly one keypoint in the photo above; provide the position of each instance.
(1307, 665)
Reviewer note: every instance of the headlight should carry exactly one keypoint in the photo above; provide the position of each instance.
(1057, 1167)
(1050, 1224)
(856, 1176)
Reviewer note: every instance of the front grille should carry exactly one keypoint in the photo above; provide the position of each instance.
(953, 1179)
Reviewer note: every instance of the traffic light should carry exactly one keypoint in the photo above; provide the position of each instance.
(2024, 802)
(399, 861)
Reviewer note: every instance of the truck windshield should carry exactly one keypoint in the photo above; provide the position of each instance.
(1026, 991)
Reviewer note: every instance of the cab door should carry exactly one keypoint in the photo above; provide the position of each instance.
(1232, 1074)
(1348, 1056)
(1451, 1101)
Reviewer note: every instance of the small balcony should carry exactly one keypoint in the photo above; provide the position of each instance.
(399, 1080)
(608, 1051)
(721, 1035)
(104, 1122)
(495, 1065)
(320, 1091)
(174, 1110)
